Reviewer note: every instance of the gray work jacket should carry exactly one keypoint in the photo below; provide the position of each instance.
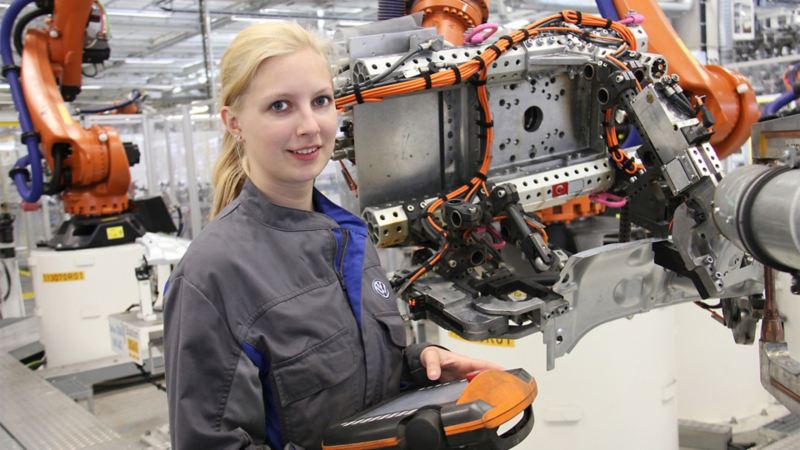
(278, 323)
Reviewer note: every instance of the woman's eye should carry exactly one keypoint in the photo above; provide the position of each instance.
(279, 106)
(323, 100)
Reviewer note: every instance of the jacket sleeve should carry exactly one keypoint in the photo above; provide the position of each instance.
(414, 373)
(214, 390)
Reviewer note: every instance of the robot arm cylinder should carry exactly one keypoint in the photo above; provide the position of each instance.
(758, 208)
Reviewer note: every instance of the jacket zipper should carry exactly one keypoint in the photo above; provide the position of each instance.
(340, 274)
(339, 265)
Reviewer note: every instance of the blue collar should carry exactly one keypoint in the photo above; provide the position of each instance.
(343, 217)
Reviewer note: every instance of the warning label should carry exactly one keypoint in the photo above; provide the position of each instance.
(493, 342)
(115, 233)
(63, 276)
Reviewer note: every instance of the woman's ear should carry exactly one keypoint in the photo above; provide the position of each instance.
(230, 121)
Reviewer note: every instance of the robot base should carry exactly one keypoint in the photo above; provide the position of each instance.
(102, 231)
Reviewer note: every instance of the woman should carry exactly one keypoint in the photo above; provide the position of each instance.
(279, 320)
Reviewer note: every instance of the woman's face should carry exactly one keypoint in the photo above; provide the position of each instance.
(287, 119)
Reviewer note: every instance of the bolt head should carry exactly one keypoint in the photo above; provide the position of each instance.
(54, 34)
(103, 137)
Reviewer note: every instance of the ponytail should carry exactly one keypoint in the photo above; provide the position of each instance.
(230, 172)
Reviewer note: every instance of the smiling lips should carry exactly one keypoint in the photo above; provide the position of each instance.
(306, 154)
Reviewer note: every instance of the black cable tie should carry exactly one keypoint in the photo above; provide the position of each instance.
(357, 92)
(608, 24)
(605, 123)
(20, 170)
(481, 62)
(580, 17)
(481, 136)
(7, 67)
(483, 124)
(457, 73)
(29, 134)
(425, 215)
(613, 148)
(628, 164)
(496, 50)
(444, 199)
(475, 80)
(526, 33)
(479, 175)
(428, 82)
(508, 39)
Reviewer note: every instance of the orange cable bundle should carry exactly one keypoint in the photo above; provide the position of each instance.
(478, 65)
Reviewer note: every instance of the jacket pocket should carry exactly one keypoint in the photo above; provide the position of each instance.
(316, 369)
(394, 327)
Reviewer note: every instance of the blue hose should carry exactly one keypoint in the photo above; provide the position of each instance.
(34, 157)
(135, 95)
(607, 10)
(780, 102)
(391, 9)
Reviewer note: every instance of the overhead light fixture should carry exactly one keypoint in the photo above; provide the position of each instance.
(91, 87)
(137, 13)
(253, 19)
(5, 86)
(351, 23)
(150, 61)
(347, 10)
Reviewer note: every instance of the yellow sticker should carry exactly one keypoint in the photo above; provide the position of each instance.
(115, 232)
(133, 349)
(65, 115)
(63, 276)
(493, 342)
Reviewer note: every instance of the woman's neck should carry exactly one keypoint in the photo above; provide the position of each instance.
(289, 196)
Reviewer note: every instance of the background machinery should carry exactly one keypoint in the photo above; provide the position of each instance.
(503, 151)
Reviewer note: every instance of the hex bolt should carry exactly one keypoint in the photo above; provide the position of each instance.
(410, 208)
(709, 260)
(452, 263)
(501, 193)
(54, 34)
(103, 137)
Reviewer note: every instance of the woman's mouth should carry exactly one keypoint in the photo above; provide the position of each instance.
(306, 154)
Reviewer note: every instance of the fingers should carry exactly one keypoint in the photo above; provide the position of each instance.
(431, 360)
(456, 367)
(443, 365)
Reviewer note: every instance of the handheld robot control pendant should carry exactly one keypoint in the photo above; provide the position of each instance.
(462, 414)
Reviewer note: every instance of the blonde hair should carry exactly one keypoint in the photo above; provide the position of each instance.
(252, 46)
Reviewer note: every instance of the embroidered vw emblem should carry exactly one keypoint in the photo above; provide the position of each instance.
(381, 288)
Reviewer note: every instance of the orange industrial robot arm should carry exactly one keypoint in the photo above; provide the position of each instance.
(89, 165)
(729, 96)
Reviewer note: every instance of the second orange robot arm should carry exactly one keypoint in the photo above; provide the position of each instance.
(728, 95)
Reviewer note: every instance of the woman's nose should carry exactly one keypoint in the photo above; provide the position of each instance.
(308, 123)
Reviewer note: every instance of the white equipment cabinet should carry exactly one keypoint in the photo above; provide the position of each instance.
(76, 291)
